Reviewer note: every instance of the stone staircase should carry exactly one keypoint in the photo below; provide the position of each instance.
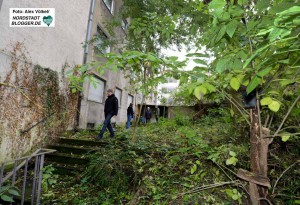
(71, 155)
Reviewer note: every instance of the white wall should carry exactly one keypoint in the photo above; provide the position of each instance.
(49, 47)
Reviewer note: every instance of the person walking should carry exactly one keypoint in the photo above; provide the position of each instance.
(110, 110)
(148, 115)
(157, 114)
(129, 115)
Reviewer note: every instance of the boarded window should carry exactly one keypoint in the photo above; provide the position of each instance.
(118, 94)
(96, 90)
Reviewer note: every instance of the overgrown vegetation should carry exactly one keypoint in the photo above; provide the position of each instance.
(176, 161)
(240, 46)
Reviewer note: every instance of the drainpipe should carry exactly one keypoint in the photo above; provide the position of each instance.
(86, 51)
(1, 1)
(88, 37)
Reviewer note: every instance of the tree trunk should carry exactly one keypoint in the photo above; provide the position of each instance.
(259, 146)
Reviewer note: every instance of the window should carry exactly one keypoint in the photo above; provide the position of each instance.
(118, 94)
(124, 24)
(110, 5)
(96, 93)
(129, 100)
(99, 42)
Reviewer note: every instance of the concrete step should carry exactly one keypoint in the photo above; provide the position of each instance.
(64, 158)
(81, 142)
(70, 157)
(65, 169)
(62, 148)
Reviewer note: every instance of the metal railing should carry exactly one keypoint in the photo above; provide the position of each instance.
(21, 171)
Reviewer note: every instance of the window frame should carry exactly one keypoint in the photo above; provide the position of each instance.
(124, 24)
(128, 103)
(119, 98)
(100, 34)
(91, 87)
(111, 7)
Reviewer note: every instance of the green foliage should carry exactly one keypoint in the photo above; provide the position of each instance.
(48, 182)
(234, 194)
(8, 192)
(247, 48)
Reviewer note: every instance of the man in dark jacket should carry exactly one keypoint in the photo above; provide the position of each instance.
(148, 115)
(110, 110)
(129, 115)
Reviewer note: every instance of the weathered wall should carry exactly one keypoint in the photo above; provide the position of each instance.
(92, 112)
(36, 106)
(51, 48)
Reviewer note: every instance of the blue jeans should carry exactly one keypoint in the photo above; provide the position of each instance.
(129, 117)
(106, 124)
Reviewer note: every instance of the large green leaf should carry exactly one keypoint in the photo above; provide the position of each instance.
(216, 6)
(262, 5)
(152, 57)
(264, 72)
(231, 27)
(236, 11)
(231, 160)
(7, 198)
(237, 65)
(295, 10)
(221, 33)
(257, 52)
(194, 169)
(199, 61)
(274, 106)
(235, 83)
(280, 6)
(266, 101)
(209, 87)
(197, 55)
(253, 84)
(232, 153)
(221, 65)
(13, 192)
(296, 21)
(200, 91)
(278, 33)
(287, 82)
(285, 138)
(225, 16)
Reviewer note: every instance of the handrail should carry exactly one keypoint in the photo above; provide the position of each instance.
(39, 156)
(36, 153)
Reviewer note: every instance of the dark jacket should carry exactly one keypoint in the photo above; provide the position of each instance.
(148, 114)
(130, 111)
(111, 105)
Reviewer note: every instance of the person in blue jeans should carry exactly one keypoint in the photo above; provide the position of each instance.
(110, 110)
(129, 115)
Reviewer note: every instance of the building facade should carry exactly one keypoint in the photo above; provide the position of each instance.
(93, 99)
(53, 49)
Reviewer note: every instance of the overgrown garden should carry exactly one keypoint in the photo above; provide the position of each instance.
(245, 151)
(244, 50)
(178, 161)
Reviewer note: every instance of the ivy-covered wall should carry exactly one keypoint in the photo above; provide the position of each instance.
(36, 105)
